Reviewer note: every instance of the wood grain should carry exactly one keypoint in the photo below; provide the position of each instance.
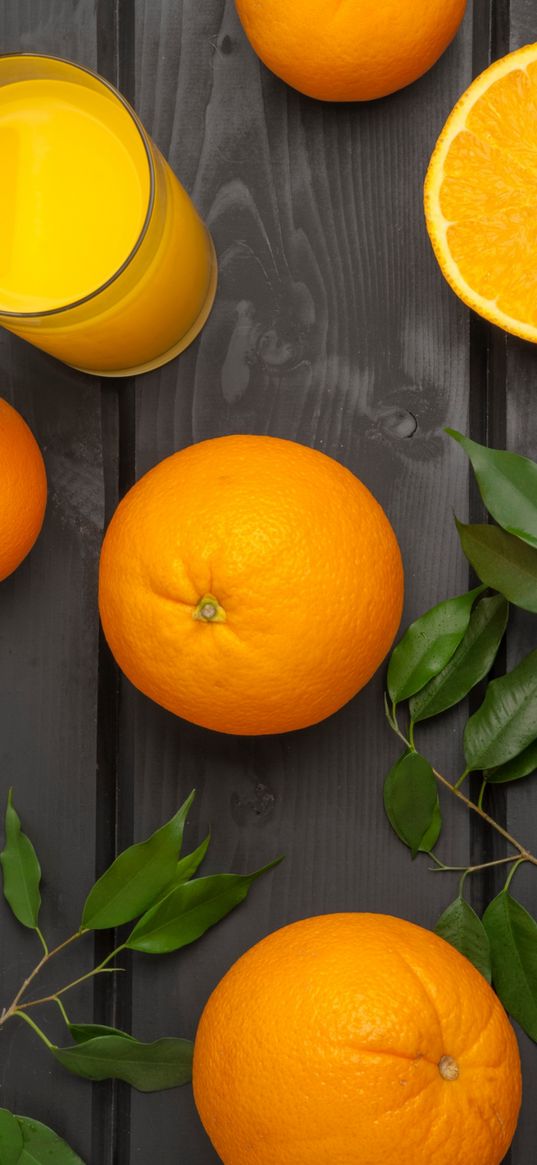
(48, 657)
(511, 423)
(48, 633)
(521, 436)
(332, 326)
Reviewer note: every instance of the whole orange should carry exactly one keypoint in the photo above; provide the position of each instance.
(356, 1039)
(350, 50)
(250, 584)
(23, 489)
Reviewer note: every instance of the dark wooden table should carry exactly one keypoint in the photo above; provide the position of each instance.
(332, 325)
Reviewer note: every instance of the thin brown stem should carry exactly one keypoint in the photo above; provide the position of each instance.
(524, 853)
(53, 997)
(453, 788)
(9, 1011)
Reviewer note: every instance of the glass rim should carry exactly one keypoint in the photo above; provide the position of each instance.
(52, 311)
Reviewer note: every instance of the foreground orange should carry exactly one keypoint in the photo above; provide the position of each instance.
(480, 195)
(356, 1039)
(23, 489)
(349, 50)
(250, 584)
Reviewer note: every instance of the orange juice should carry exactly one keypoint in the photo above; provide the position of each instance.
(104, 261)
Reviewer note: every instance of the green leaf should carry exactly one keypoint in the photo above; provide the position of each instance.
(512, 935)
(461, 926)
(42, 1146)
(427, 645)
(137, 876)
(520, 766)
(147, 1067)
(506, 722)
(89, 1031)
(21, 869)
(411, 802)
(189, 910)
(502, 562)
(430, 838)
(472, 660)
(188, 865)
(11, 1142)
(508, 485)
(185, 869)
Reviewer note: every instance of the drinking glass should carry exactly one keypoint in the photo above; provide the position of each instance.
(104, 261)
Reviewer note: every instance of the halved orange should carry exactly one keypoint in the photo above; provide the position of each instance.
(481, 195)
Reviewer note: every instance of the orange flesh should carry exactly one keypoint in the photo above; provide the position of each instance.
(481, 193)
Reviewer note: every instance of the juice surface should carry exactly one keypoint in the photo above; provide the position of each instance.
(74, 192)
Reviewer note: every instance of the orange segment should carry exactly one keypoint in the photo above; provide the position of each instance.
(481, 193)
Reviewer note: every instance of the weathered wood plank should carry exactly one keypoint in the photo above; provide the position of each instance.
(48, 657)
(521, 797)
(332, 326)
(48, 674)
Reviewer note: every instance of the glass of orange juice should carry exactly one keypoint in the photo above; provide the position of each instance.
(104, 261)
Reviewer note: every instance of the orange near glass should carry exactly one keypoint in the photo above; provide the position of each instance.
(104, 261)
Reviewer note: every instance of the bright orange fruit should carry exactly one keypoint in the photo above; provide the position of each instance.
(250, 584)
(349, 50)
(23, 489)
(480, 195)
(356, 1039)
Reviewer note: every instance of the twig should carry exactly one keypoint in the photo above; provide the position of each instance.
(9, 1011)
(440, 868)
(35, 1028)
(102, 969)
(453, 788)
(524, 853)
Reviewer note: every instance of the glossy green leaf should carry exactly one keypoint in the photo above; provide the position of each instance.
(460, 926)
(21, 870)
(512, 935)
(427, 645)
(411, 802)
(472, 660)
(81, 1032)
(188, 865)
(185, 869)
(42, 1146)
(147, 1067)
(506, 722)
(189, 910)
(11, 1142)
(431, 836)
(508, 485)
(502, 562)
(137, 876)
(520, 766)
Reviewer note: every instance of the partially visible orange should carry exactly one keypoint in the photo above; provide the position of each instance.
(356, 1039)
(250, 584)
(481, 192)
(23, 489)
(349, 50)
